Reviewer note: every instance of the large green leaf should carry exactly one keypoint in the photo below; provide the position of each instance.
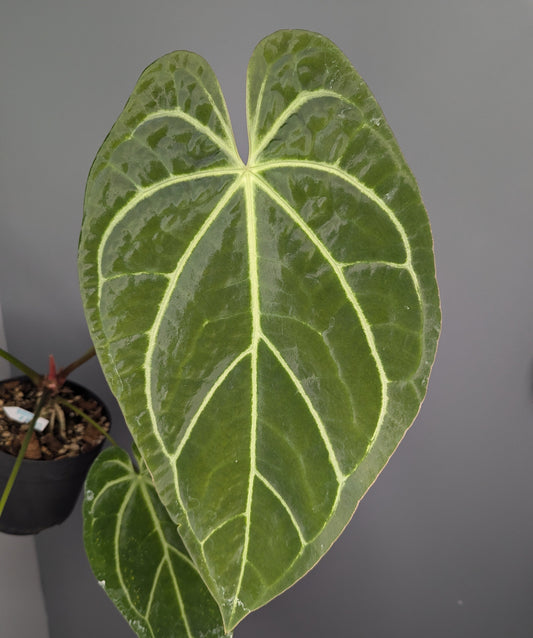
(138, 557)
(268, 329)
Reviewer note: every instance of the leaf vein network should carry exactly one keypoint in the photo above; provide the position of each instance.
(363, 189)
(166, 556)
(145, 193)
(195, 123)
(116, 545)
(223, 118)
(350, 294)
(303, 98)
(255, 311)
(106, 487)
(218, 527)
(310, 407)
(163, 307)
(285, 505)
(207, 398)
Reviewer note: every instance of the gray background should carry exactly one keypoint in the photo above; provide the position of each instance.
(441, 546)
(19, 572)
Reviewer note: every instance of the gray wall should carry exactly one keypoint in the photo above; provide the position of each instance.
(441, 546)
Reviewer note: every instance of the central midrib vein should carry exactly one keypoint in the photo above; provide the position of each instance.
(256, 337)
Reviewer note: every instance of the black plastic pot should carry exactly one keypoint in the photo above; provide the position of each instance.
(45, 492)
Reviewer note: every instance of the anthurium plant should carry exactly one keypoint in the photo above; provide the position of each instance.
(267, 327)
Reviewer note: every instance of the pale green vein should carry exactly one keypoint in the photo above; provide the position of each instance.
(289, 566)
(106, 487)
(163, 307)
(363, 189)
(307, 326)
(297, 103)
(370, 265)
(183, 557)
(419, 395)
(258, 575)
(224, 119)
(209, 395)
(121, 172)
(388, 142)
(225, 522)
(139, 273)
(322, 337)
(350, 295)
(253, 129)
(126, 466)
(256, 336)
(145, 193)
(201, 128)
(116, 541)
(140, 142)
(285, 506)
(311, 408)
(166, 555)
(151, 597)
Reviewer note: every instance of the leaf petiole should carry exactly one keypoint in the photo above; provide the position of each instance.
(32, 374)
(64, 372)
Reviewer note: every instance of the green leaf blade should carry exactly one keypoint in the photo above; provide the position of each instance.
(294, 319)
(138, 557)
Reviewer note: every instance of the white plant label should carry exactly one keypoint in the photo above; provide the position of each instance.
(25, 416)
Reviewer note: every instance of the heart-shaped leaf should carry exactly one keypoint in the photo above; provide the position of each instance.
(268, 329)
(137, 555)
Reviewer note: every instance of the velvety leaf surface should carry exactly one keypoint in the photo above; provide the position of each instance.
(268, 329)
(137, 555)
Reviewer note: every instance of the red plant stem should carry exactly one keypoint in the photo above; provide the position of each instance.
(64, 372)
(51, 380)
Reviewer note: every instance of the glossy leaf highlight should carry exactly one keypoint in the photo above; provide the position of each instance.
(268, 328)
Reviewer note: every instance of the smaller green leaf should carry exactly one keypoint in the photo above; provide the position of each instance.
(138, 558)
